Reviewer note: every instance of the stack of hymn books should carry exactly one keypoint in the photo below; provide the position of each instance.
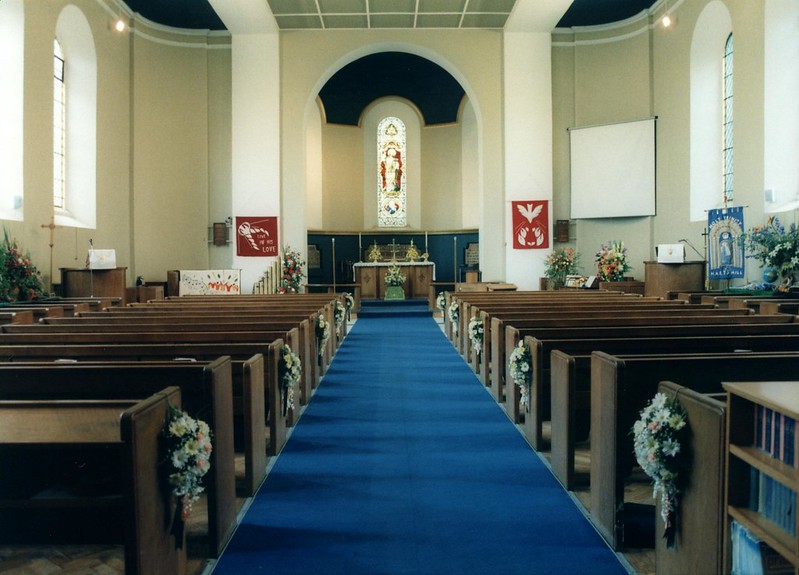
(751, 556)
(775, 434)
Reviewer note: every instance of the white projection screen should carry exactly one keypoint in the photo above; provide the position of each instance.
(613, 170)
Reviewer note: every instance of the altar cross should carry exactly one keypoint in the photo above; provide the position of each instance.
(51, 226)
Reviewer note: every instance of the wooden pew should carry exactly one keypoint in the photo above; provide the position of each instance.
(256, 382)
(15, 317)
(207, 394)
(623, 328)
(172, 328)
(570, 382)
(130, 433)
(494, 331)
(620, 388)
(640, 345)
(700, 537)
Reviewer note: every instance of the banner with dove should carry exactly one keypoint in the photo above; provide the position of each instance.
(530, 224)
(256, 236)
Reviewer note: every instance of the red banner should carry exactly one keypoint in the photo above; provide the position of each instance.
(530, 224)
(256, 236)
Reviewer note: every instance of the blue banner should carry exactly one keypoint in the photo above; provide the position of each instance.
(725, 249)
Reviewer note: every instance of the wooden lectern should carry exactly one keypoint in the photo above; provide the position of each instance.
(661, 278)
(82, 282)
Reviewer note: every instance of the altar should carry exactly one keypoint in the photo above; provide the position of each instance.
(372, 276)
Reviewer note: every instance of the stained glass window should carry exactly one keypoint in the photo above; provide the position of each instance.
(59, 127)
(391, 154)
(727, 139)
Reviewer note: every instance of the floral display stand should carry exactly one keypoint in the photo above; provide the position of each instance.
(394, 292)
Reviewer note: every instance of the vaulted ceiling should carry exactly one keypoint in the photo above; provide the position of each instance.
(432, 89)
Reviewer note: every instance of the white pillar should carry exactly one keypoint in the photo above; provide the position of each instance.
(528, 143)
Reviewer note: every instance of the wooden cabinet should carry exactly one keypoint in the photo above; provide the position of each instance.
(662, 278)
(81, 282)
(762, 475)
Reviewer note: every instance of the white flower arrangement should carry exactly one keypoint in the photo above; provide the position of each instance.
(476, 333)
(290, 372)
(322, 329)
(188, 458)
(521, 370)
(659, 451)
(453, 316)
(349, 303)
(441, 300)
(339, 313)
(322, 334)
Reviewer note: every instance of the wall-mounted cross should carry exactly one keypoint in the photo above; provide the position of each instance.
(52, 227)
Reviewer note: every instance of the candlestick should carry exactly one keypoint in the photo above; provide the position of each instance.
(360, 247)
(425, 242)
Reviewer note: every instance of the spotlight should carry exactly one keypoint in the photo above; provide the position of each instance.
(666, 21)
(120, 25)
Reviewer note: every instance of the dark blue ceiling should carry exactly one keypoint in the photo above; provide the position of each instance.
(431, 88)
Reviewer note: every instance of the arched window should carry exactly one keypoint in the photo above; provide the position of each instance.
(77, 161)
(391, 156)
(727, 107)
(59, 127)
(12, 47)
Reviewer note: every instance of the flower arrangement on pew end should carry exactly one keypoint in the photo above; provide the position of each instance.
(611, 262)
(661, 449)
(349, 303)
(776, 249)
(441, 301)
(19, 278)
(289, 372)
(339, 314)
(521, 370)
(291, 273)
(560, 263)
(476, 334)
(187, 444)
(454, 315)
(322, 331)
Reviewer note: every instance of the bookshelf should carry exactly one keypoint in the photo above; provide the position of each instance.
(762, 474)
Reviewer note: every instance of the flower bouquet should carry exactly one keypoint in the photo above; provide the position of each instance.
(188, 459)
(521, 370)
(290, 371)
(611, 262)
(476, 333)
(559, 264)
(441, 300)
(19, 278)
(291, 274)
(775, 248)
(349, 303)
(394, 276)
(660, 435)
(339, 313)
(322, 331)
(454, 314)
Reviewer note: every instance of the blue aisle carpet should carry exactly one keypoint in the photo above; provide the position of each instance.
(403, 464)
